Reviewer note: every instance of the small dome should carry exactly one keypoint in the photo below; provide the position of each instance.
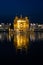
(26, 17)
(16, 17)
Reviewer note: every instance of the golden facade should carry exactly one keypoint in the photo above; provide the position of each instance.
(21, 24)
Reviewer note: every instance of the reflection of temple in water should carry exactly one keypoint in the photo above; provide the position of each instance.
(21, 41)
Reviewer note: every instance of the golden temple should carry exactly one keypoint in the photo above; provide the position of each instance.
(21, 24)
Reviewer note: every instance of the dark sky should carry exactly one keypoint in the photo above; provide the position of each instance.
(32, 8)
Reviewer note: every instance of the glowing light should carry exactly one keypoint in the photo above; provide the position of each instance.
(21, 24)
(21, 41)
(0, 25)
(21, 21)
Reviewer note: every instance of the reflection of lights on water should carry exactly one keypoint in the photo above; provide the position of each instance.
(0, 25)
(36, 36)
(32, 36)
(4, 35)
(18, 37)
(40, 35)
(9, 37)
(21, 41)
(0, 36)
(10, 34)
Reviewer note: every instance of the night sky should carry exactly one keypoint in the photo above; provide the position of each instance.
(31, 8)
